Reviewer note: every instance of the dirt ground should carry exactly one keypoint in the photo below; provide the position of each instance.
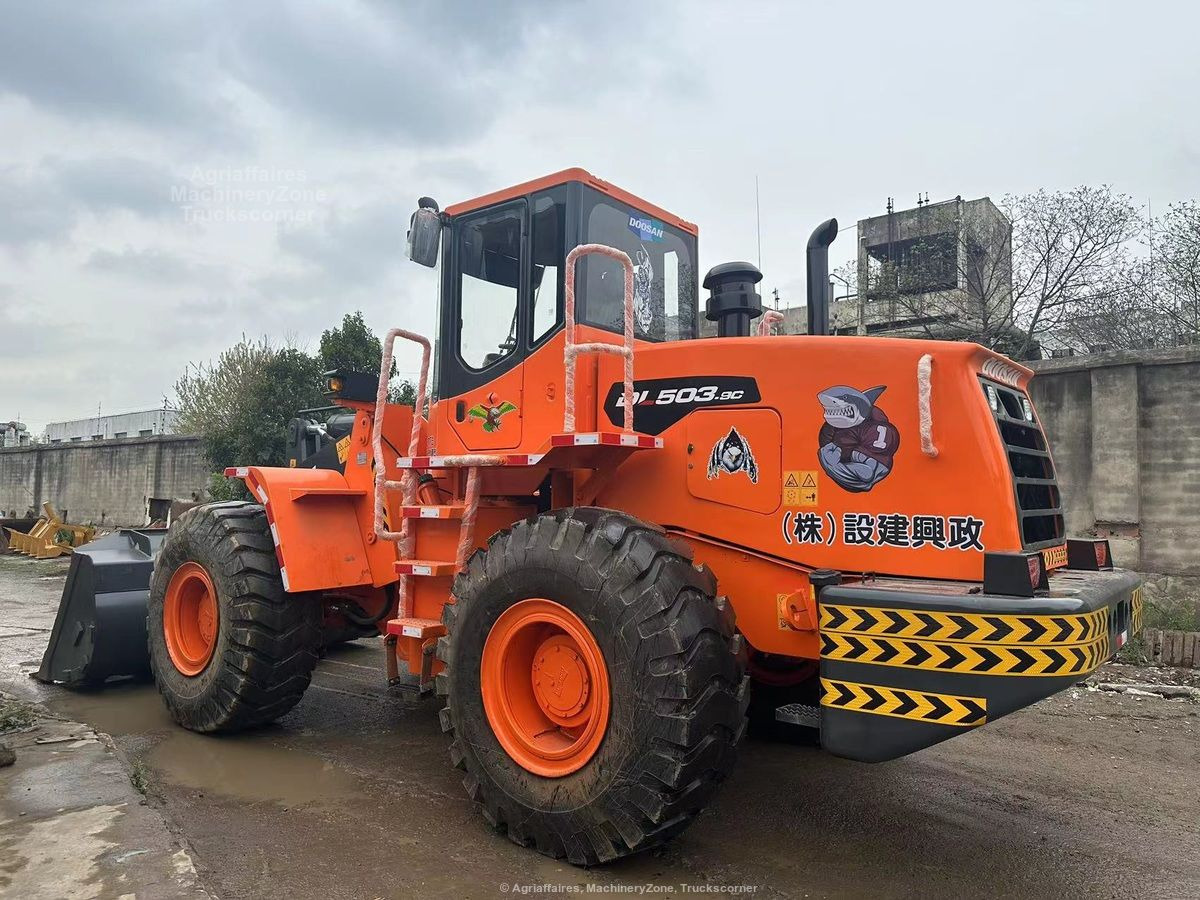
(1089, 793)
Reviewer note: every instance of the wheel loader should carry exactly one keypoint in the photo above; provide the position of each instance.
(603, 539)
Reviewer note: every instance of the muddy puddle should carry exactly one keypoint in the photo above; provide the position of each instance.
(248, 767)
(253, 767)
(118, 709)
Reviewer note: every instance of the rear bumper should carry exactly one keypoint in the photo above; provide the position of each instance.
(904, 669)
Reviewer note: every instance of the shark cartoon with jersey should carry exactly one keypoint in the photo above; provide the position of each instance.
(857, 442)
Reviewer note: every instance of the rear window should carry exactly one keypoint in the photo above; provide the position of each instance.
(665, 302)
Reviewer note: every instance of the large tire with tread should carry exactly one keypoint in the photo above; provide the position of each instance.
(265, 642)
(675, 666)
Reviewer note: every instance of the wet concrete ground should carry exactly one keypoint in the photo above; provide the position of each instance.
(352, 795)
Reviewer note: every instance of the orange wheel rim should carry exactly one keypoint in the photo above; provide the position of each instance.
(545, 687)
(190, 618)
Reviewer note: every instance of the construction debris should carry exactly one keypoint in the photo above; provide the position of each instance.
(50, 536)
(1169, 691)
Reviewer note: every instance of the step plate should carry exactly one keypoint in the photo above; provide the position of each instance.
(426, 567)
(799, 714)
(415, 628)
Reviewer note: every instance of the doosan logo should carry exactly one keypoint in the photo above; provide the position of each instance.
(646, 229)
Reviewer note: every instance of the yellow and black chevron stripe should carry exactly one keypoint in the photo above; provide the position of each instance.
(1135, 615)
(978, 659)
(965, 627)
(920, 706)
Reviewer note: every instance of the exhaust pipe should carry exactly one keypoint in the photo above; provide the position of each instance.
(818, 276)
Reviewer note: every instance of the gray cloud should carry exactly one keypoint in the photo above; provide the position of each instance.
(33, 210)
(103, 184)
(98, 61)
(43, 203)
(354, 247)
(155, 266)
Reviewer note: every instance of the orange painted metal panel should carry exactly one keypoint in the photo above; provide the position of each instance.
(319, 541)
(563, 177)
(734, 458)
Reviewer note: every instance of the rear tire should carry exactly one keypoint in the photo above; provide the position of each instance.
(254, 663)
(672, 673)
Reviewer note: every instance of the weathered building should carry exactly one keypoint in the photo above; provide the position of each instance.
(936, 270)
(145, 423)
(14, 434)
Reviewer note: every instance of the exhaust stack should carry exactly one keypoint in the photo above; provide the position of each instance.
(818, 276)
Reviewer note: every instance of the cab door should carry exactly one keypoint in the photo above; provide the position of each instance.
(481, 377)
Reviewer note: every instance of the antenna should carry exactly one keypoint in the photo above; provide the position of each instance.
(758, 222)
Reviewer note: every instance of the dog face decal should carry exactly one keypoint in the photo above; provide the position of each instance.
(731, 454)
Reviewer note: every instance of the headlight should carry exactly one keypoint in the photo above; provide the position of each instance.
(993, 398)
(1027, 409)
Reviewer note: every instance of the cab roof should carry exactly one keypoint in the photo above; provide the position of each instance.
(564, 177)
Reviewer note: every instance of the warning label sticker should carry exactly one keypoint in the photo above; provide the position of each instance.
(800, 487)
(343, 448)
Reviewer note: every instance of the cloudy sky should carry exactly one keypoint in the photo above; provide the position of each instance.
(127, 127)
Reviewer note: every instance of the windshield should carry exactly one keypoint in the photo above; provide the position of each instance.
(664, 284)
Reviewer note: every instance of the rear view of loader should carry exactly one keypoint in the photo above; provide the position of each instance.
(595, 567)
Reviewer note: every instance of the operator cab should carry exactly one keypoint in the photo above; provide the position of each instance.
(502, 263)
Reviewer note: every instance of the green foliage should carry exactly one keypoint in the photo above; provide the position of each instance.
(221, 488)
(353, 347)
(241, 404)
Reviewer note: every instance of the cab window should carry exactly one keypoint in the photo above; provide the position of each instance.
(664, 287)
(547, 248)
(489, 254)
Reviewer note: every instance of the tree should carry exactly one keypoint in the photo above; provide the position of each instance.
(1007, 281)
(354, 347)
(1175, 255)
(240, 405)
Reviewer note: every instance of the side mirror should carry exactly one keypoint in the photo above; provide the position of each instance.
(424, 233)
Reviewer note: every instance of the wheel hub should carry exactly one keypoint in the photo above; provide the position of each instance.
(190, 619)
(560, 679)
(545, 687)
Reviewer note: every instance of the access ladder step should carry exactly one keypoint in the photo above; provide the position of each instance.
(412, 627)
(443, 511)
(799, 714)
(607, 439)
(427, 567)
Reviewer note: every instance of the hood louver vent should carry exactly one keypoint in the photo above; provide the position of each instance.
(1039, 504)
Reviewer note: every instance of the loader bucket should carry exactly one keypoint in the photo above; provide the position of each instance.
(100, 630)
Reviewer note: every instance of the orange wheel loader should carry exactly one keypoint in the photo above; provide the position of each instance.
(603, 539)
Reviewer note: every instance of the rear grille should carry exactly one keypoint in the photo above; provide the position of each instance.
(1039, 504)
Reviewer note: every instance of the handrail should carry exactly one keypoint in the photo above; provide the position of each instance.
(571, 349)
(408, 484)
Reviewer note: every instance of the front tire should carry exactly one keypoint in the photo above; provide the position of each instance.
(229, 648)
(595, 688)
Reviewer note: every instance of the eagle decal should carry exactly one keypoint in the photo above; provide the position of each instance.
(491, 415)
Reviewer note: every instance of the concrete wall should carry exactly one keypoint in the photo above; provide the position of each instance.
(102, 482)
(1125, 431)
